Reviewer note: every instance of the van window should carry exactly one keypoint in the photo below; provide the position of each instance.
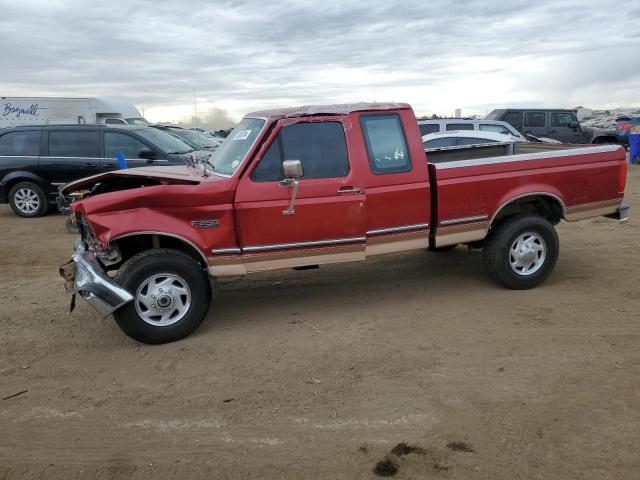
(20, 143)
(385, 142)
(321, 147)
(514, 119)
(426, 128)
(123, 142)
(73, 144)
(562, 120)
(459, 126)
(534, 119)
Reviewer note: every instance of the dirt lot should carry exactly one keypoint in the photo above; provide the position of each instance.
(321, 374)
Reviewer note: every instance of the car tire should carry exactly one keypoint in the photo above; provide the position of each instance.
(171, 296)
(28, 200)
(521, 251)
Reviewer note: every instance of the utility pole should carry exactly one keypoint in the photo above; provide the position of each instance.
(195, 106)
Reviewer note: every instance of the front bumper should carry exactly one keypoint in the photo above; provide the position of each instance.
(85, 276)
(622, 213)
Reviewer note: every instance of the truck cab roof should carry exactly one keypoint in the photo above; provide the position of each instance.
(335, 109)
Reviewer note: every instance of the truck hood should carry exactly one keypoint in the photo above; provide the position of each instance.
(169, 175)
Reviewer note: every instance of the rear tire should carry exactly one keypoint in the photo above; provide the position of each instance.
(28, 200)
(171, 296)
(521, 252)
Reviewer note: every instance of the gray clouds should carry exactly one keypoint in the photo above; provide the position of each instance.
(243, 56)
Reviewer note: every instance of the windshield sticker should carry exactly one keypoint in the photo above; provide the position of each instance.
(235, 163)
(242, 135)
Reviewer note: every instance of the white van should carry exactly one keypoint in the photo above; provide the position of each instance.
(19, 111)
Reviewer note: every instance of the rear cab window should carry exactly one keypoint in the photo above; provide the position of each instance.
(321, 148)
(67, 143)
(20, 144)
(386, 144)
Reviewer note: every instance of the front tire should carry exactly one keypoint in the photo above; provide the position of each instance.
(28, 200)
(521, 252)
(171, 296)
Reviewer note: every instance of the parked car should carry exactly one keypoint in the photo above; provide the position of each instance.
(194, 138)
(36, 160)
(301, 187)
(558, 124)
(624, 127)
(466, 137)
(458, 124)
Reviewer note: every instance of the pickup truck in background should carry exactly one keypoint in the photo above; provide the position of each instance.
(558, 124)
(301, 187)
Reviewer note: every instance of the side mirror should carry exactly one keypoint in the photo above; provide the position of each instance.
(292, 169)
(147, 154)
(574, 125)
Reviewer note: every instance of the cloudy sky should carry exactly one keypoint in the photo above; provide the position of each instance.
(240, 56)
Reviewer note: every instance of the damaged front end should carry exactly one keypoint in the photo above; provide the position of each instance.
(85, 276)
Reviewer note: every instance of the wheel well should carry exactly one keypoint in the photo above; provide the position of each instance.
(14, 180)
(542, 205)
(130, 245)
(605, 139)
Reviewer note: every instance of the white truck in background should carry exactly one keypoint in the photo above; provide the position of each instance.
(19, 111)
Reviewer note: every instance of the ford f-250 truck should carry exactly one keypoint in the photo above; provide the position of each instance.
(301, 187)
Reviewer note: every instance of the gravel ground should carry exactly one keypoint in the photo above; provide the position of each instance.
(415, 364)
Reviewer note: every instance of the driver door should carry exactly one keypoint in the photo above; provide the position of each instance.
(328, 222)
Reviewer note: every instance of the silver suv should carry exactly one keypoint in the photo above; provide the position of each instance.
(451, 124)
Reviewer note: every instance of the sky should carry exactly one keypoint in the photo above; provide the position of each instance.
(241, 56)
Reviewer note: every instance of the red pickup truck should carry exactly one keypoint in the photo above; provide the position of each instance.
(296, 188)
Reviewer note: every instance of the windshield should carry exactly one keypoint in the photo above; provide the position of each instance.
(231, 153)
(137, 121)
(165, 142)
(196, 138)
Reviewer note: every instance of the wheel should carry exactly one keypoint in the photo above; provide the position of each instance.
(521, 252)
(635, 160)
(28, 200)
(448, 248)
(171, 296)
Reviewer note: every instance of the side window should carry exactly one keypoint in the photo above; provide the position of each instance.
(487, 127)
(514, 119)
(127, 144)
(534, 119)
(320, 146)
(20, 143)
(270, 167)
(386, 145)
(73, 144)
(562, 120)
(440, 142)
(114, 121)
(459, 126)
(426, 128)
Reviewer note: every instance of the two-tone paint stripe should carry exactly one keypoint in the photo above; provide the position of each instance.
(319, 243)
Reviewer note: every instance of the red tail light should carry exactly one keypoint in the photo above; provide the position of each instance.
(622, 177)
(625, 126)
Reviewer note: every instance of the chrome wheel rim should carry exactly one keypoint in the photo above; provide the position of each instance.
(527, 254)
(26, 200)
(163, 299)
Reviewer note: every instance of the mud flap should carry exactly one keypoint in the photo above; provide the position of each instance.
(72, 305)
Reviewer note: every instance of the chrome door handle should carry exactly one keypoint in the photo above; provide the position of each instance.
(354, 190)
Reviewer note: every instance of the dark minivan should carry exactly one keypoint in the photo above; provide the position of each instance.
(558, 124)
(36, 160)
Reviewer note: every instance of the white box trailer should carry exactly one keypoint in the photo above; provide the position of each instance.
(17, 111)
